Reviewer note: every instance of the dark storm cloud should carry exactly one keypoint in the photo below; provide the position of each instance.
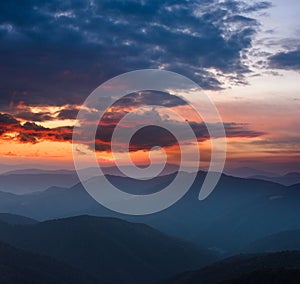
(57, 52)
(68, 113)
(289, 60)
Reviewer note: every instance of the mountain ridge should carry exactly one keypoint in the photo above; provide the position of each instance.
(236, 266)
(18, 266)
(112, 249)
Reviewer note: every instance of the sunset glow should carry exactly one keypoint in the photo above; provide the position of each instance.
(258, 98)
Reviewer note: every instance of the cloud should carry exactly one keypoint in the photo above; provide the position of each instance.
(43, 114)
(56, 53)
(143, 139)
(233, 129)
(289, 60)
(150, 118)
(30, 132)
(10, 154)
(149, 97)
(146, 123)
(68, 113)
(38, 116)
(153, 135)
(7, 120)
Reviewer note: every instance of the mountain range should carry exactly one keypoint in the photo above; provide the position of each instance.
(30, 180)
(246, 215)
(238, 212)
(87, 249)
(22, 181)
(287, 179)
(247, 172)
(14, 219)
(109, 249)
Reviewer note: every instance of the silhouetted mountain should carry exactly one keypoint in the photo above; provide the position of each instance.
(288, 240)
(19, 183)
(267, 276)
(113, 250)
(55, 202)
(287, 179)
(38, 172)
(251, 266)
(4, 168)
(14, 219)
(21, 267)
(22, 181)
(114, 170)
(238, 212)
(247, 172)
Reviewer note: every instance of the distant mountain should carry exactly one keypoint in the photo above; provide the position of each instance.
(14, 219)
(112, 250)
(287, 179)
(7, 167)
(247, 172)
(93, 171)
(38, 172)
(251, 216)
(242, 267)
(29, 180)
(21, 267)
(288, 240)
(238, 212)
(114, 171)
(21, 183)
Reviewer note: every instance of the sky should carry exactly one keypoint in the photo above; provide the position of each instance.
(244, 54)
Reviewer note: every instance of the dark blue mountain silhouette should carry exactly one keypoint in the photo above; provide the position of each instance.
(113, 250)
(280, 267)
(238, 212)
(22, 267)
(287, 240)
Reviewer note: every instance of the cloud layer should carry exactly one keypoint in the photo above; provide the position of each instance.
(12, 129)
(289, 60)
(57, 52)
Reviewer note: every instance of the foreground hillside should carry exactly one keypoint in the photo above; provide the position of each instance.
(87, 249)
(252, 268)
(267, 276)
(22, 267)
(112, 250)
